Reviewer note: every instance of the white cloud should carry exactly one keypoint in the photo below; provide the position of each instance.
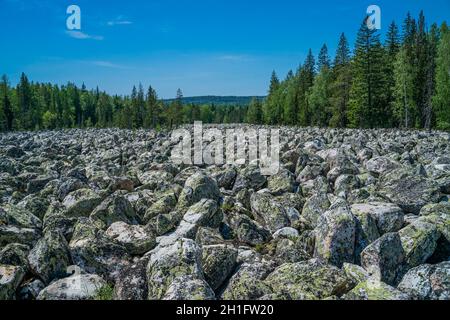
(107, 64)
(82, 36)
(119, 21)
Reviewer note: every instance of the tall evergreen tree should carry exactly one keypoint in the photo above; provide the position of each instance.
(441, 99)
(6, 111)
(404, 104)
(367, 99)
(324, 59)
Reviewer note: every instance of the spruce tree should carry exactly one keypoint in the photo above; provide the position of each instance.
(367, 97)
(340, 87)
(6, 111)
(441, 99)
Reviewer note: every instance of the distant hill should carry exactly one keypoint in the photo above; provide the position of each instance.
(218, 100)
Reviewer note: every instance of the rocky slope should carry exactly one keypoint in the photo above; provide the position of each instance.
(352, 214)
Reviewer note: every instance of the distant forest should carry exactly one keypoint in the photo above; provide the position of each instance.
(218, 100)
(401, 83)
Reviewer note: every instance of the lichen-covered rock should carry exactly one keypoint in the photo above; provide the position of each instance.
(181, 258)
(30, 289)
(136, 239)
(247, 230)
(76, 287)
(314, 208)
(270, 212)
(249, 177)
(335, 236)
(427, 282)
(10, 279)
(114, 209)
(12, 234)
(388, 216)
(95, 253)
(15, 254)
(19, 217)
(309, 280)
(131, 283)
(381, 165)
(50, 257)
(81, 202)
(409, 191)
(356, 273)
(197, 187)
(218, 261)
(373, 289)
(439, 215)
(247, 283)
(383, 258)
(419, 241)
(164, 205)
(366, 232)
(281, 182)
(189, 288)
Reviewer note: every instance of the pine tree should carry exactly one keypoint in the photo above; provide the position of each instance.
(367, 99)
(6, 111)
(306, 80)
(420, 76)
(271, 112)
(324, 59)
(430, 74)
(340, 88)
(404, 104)
(319, 98)
(152, 109)
(24, 103)
(255, 113)
(441, 99)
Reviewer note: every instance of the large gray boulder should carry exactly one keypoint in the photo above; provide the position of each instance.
(76, 287)
(335, 236)
(383, 259)
(218, 261)
(427, 282)
(10, 279)
(268, 211)
(50, 257)
(309, 280)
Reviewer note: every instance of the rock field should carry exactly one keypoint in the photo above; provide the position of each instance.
(106, 214)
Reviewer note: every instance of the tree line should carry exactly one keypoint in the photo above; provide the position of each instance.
(401, 83)
(37, 106)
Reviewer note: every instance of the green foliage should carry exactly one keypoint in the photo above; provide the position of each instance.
(105, 293)
(441, 99)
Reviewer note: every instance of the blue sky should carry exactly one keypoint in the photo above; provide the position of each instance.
(204, 47)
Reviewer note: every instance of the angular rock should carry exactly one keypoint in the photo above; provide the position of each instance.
(50, 257)
(335, 236)
(309, 280)
(75, 287)
(10, 279)
(136, 239)
(218, 261)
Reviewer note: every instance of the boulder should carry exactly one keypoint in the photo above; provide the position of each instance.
(427, 282)
(50, 257)
(335, 236)
(309, 280)
(76, 287)
(10, 279)
(218, 261)
(136, 239)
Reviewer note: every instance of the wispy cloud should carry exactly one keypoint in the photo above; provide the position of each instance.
(233, 57)
(107, 64)
(119, 21)
(83, 36)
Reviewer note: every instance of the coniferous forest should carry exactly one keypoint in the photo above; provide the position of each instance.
(401, 82)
